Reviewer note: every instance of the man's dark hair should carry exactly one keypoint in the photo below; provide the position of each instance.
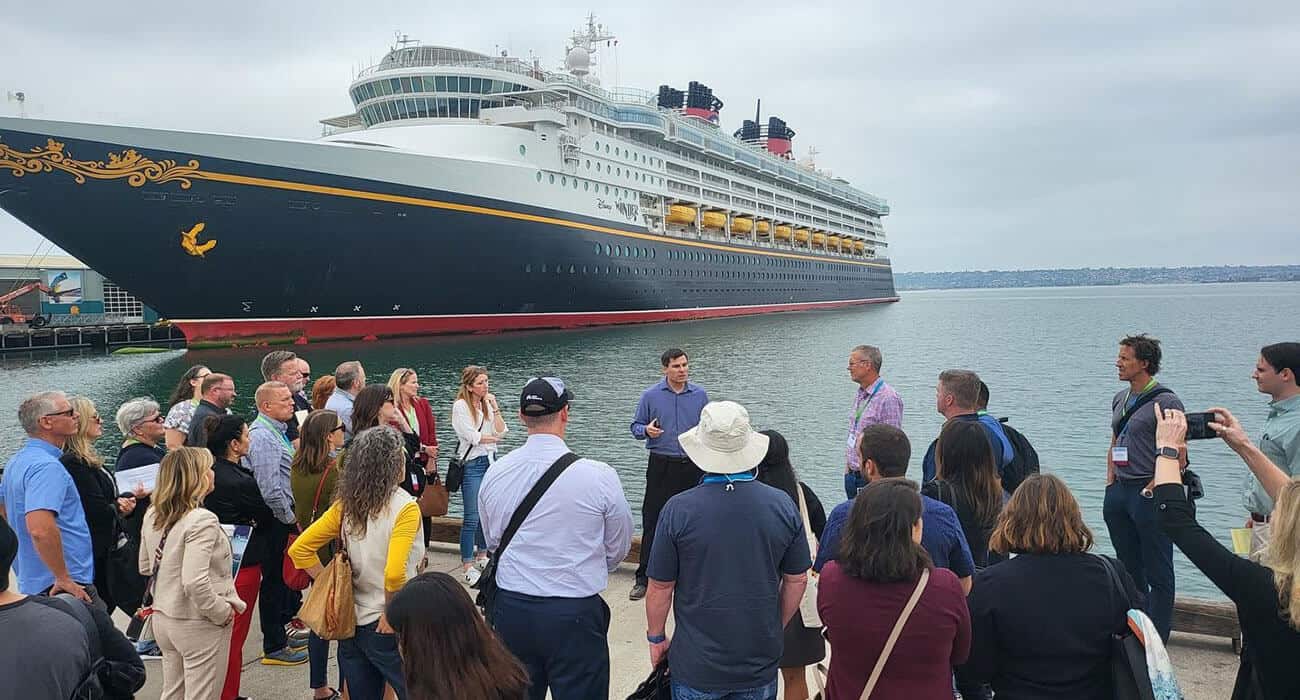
(1282, 356)
(671, 354)
(983, 401)
(1145, 349)
(963, 385)
(888, 447)
(274, 360)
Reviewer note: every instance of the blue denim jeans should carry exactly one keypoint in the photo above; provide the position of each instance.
(683, 692)
(318, 658)
(1142, 547)
(368, 661)
(852, 482)
(471, 534)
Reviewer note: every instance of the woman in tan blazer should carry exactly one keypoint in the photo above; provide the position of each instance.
(194, 598)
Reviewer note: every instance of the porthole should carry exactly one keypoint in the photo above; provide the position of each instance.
(528, 267)
(564, 181)
(597, 144)
(552, 178)
(586, 185)
(607, 250)
(607, 148)
(523, 150)
(543, 267)
(575, 183)
(589, 165)
(539, 176)
(615, 151)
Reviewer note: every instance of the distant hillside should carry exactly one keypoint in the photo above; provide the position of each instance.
(976, 279)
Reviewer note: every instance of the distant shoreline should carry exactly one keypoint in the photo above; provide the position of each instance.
(1093, 277)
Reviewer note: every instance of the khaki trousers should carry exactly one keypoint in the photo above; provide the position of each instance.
(194, 656)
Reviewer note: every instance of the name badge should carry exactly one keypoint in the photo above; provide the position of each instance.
(1119, 455)
(853, 441)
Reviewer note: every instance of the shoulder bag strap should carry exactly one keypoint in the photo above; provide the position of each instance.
(534, 495)
(469, 445)
(153, 576)
(1142, 401)
(316, 501)
(1116, 580)
(807, 524)
(895, 634)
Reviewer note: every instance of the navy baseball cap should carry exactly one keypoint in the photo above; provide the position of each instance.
(543, 396)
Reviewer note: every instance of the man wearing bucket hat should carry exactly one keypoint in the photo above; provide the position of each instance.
(731, 539)
(547, 609)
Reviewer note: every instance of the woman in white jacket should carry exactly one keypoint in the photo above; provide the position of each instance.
(477, 419)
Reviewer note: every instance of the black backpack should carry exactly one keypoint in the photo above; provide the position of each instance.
(1023, 462)
(106, 679)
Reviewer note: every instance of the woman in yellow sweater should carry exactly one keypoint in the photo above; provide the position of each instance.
(379, 523)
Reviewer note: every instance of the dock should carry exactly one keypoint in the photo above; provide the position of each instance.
(25, 339)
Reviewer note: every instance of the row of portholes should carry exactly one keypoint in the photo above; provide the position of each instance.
(629, 173)
(663, 272)
(629, 155)
(618, 251)
(587, 185)
(728, 258)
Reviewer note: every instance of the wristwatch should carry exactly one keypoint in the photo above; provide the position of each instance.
(1170, 452)
(656, 638)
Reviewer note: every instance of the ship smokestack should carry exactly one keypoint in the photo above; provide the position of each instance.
(779, 137)
(701, 103)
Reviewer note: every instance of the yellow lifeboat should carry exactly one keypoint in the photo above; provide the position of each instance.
(859, 247)
(801, 235)
(782, 232)
(763, 228)
(833, 242)
(681, 214)
(741, 226)
(819, 240)
(713, 220)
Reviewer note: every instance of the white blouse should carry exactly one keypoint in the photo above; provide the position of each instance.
(469, 433)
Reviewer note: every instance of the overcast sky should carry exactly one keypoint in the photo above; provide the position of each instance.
(1004, 134)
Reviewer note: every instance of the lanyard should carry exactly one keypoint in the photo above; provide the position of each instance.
(875, 389)
(288, 446)
(729, 479)
(1131, 401)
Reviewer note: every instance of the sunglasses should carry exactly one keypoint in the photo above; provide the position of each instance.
(305, 374)
(338, 427)
(69, 413)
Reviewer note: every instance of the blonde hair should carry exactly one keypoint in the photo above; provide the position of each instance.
(181, 485)
(81, 446)
(395, 381)
(468, 376)
(1042, 517)
(1282, 555)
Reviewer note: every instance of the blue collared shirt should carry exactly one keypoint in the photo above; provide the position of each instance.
(941, 536)
(34, 479)
(340, 402)
(269, 458)
(578, 532)
(676, 412)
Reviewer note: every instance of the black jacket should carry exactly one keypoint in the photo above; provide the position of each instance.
(99, 501)
(138, 454)
(236, 500)
(198, 435)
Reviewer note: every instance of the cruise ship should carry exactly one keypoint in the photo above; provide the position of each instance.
(465, 193)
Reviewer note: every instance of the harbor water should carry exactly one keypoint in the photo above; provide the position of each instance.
(1047, 355)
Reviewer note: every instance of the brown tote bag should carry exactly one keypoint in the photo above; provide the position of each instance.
(329, 609)
(434, 499)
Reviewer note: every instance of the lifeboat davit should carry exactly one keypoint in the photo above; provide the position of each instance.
(782, 232)
(741, 225)
(681, 214)
(713, 220)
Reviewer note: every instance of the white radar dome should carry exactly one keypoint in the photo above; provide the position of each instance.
(578, 61)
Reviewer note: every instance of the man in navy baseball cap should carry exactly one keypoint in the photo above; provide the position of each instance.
(543, 396)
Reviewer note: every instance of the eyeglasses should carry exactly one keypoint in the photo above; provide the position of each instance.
(338, 427)
(305, 374)
(68, 413)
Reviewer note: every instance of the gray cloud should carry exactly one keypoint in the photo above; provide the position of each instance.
(1004, 134)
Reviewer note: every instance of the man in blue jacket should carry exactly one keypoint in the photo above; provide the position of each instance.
(957, 398)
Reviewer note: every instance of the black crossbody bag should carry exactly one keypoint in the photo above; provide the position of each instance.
(1191, 480)
(487, 583)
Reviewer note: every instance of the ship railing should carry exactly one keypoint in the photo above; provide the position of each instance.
(508, 65)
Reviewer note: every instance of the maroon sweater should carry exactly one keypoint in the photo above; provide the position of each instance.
(859, 616)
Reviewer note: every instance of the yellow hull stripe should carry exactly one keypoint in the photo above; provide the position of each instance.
(488, 211)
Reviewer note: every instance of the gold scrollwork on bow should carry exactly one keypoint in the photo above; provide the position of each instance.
(136, 168)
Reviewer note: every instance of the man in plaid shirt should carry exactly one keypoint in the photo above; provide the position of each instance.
(875, 402)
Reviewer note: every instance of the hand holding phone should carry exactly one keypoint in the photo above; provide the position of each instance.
(652, 429)
(1198, 425)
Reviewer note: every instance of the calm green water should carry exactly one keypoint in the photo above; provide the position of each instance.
(1047, 355)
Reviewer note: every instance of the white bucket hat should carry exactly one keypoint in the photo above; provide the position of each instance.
(723, 442)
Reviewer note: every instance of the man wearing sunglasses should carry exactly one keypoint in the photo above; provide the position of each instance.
(41, 503)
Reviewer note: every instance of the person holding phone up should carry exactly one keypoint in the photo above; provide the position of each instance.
(666, 410)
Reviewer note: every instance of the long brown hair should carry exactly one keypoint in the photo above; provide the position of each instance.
(80, 446)
(367, 404)
(1283, 552)
(313, 454)
(964, 458)
(434, 619)
(877, 544)
(1042, 517)
(182, 485)
(187, 386)
(468, 376)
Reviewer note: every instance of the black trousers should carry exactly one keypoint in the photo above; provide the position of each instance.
(563, 642)
(665, 477)
(273, 596)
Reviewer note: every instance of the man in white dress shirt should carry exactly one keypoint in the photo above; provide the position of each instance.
(548, 609)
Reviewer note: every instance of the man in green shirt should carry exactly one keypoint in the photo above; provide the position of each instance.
(1277, 373)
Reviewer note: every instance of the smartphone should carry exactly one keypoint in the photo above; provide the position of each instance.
(654, 422)
(1198, 426)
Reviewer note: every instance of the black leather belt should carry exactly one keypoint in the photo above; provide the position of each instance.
(1259, 517)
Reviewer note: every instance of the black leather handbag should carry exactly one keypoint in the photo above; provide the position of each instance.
(658, 686)
(456, 466)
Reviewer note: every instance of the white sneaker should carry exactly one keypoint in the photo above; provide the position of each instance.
(481, 563)
(472, 576)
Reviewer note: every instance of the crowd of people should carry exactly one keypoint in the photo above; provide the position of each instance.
(979, 581)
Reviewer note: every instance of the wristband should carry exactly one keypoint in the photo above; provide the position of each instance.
(656, 638)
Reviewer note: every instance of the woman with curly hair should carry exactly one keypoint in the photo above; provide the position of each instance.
(378, 525)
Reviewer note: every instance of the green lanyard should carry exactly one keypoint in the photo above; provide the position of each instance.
(1129, 393)
(875, 389)
(288, 446)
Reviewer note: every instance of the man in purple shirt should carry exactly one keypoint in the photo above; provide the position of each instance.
(665, 411)
(875, 402)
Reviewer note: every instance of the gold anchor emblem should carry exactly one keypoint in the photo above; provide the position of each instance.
(189, 241)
